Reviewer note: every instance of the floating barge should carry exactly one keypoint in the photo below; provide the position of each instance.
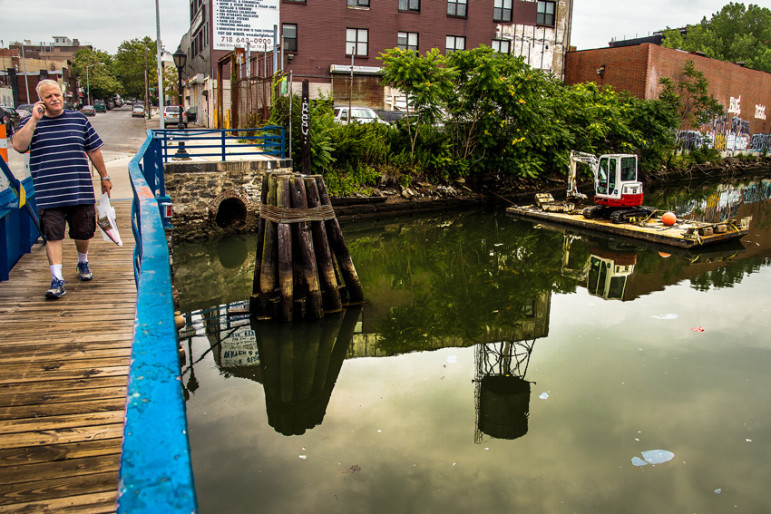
(683, 234)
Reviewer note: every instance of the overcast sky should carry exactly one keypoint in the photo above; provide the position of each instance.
(106, 23)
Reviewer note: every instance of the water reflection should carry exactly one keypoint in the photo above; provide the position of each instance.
(474, 286)
(297, 365)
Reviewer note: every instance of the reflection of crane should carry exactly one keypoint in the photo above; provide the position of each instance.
(501, 391)
(604, 273)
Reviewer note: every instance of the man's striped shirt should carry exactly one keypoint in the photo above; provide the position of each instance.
(58, 161)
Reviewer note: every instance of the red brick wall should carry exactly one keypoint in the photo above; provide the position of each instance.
(637, 69)
(321, 29)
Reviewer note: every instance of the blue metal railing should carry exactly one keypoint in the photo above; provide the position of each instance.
(18, 230)
(270, 140)
(156, 471)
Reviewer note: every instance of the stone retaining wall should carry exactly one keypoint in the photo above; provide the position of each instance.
(215, 198)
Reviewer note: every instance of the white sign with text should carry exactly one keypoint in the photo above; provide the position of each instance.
(238, 22)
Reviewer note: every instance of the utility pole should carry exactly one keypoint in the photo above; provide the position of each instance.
(147, 85)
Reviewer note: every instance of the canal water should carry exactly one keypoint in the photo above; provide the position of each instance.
(497, 366)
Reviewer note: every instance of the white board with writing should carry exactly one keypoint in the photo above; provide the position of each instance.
(238, 22)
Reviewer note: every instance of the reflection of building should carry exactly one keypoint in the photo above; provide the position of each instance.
(502, 393)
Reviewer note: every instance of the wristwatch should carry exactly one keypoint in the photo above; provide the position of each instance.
(106, 177)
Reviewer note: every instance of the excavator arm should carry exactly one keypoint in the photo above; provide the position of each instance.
(576, 157)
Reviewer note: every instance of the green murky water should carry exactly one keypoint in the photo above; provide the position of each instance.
(497, 366)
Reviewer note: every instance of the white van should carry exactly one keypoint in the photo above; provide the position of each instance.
(359, 114)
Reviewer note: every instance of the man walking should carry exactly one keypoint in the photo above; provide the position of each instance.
(59, 141)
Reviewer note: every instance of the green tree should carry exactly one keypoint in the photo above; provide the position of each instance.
(690, 95)
(93, 70)
(736, 34)
(132, 59)
(425, 80)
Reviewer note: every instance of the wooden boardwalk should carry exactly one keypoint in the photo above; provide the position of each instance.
(63, 373)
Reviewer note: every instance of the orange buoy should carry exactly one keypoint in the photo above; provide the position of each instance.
(669, 218)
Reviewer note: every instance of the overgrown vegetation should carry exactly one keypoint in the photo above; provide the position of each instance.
(475, 113)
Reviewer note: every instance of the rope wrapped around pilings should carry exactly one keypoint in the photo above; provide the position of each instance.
(303, 268)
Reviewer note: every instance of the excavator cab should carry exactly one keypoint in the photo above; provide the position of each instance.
(615, 182)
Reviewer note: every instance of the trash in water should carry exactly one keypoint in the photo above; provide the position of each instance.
(698, 329)
(353, 469)
(303, 457)
(544, 396)
(666, 316)
(718, 490)
(452, 359)
(653, 457)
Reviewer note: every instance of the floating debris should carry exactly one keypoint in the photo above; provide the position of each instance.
(653, 457)
(544, 396)
(698, 329)
(666, 316)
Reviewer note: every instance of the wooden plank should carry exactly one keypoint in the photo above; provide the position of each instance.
(52, 470)
(96, 503)
(58, 488)
(71, 435)
(77, 384)
(40, 399)
(52, 375)
(58, 452)
(16, 353)
(59, 409)
(10, 426)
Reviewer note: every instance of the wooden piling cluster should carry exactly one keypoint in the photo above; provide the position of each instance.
(303, 268)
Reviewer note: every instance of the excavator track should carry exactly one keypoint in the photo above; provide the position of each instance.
(632, 215)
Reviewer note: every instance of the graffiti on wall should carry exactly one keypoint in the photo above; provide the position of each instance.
(723, 134)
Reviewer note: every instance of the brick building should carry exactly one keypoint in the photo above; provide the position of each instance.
(744, 93)
(22, 73)
(324, 39)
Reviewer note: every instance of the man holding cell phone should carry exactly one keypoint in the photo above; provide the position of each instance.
(61, 142)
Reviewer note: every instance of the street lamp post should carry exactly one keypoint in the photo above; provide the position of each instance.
(88, 85)
(180, 58)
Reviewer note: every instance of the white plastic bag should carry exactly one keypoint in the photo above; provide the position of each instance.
(105, 220)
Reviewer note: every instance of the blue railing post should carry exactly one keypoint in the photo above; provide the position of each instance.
(156, 473)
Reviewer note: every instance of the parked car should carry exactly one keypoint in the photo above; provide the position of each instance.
(88, 110)
(10, 119)
(359, 114)
(24, 110)
(171, 115)
(192, 114)
(138, 111)
(100, 106)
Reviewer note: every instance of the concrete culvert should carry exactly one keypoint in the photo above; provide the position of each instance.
(231, 212)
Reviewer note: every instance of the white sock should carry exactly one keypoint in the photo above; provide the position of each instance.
(56, 271)
(82, 257)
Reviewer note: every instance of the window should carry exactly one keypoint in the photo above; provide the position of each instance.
(545, 14)
(289, 31)
(358, 3)
(407, 41)
(455, 43)
(501, 45)
(356, 41)
(409, 5)
(502, 10)
(456, 8)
